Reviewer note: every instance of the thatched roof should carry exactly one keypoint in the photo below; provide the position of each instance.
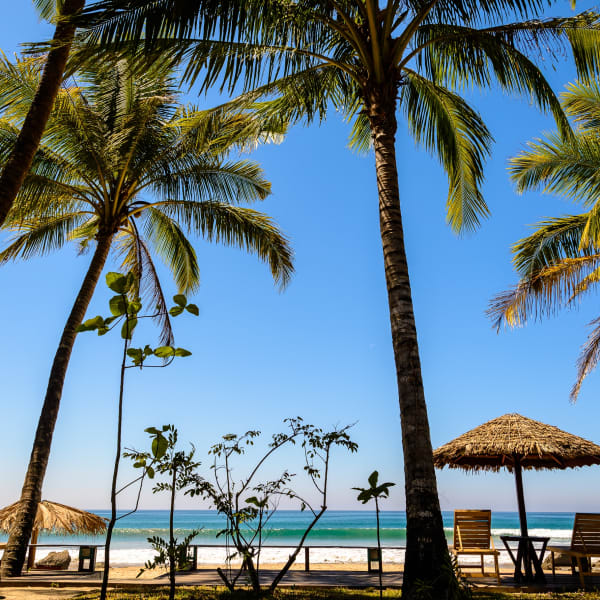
(58, 518)
(495, 445)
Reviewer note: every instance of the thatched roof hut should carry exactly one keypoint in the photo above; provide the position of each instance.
(52, 516)
(502, 441)
(55, 517)
(515, 442)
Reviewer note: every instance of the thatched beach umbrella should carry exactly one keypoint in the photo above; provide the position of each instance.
(54, 517)
(515, 442)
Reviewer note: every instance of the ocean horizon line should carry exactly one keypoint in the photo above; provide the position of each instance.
(340, 510)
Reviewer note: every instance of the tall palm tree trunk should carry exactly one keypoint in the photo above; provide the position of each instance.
(19, 162)
(426, 546)
(31, 494)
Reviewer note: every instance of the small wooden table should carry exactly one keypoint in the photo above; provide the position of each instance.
(528, 562)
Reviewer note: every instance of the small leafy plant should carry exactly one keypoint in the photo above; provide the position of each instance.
(249, 505)
(179, 468)
(375, 492)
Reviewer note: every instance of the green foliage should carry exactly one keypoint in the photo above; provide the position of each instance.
(119, 283)
(310, 57)
(164, 552)
(126, 312)
(118, 305)
(374, 490)
(180, 299)
(337, 593)
(128, 327)
(560, 261)
(181, 305)
(179, 471)
(120, 158)
(249, 505)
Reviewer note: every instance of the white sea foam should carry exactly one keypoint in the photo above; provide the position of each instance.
(554, 534)
(124, 557)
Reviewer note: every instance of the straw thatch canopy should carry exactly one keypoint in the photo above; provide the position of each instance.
(500, 442)
(59, 518)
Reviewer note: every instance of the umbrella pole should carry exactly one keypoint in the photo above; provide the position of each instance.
(520, 496)
(524, 551)
(31, 555)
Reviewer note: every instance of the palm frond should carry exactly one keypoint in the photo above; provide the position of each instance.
(446, 125)
(236, 226)
(202, 179)
(565, 167)
(544, 293)
(582, 102)
(18, 85)
(171, 244)
(552, 241)
(218, 131)
(137, 258)
(588, 358)
(41, 236)
(46, 9)
(360, 135)
(462, 57)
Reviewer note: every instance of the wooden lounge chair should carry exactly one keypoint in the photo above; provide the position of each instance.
(473, 536)
(585, 544)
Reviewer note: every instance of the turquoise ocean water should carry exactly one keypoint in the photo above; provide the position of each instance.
(336, 528)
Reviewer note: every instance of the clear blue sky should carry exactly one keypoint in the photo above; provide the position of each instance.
(322, 348)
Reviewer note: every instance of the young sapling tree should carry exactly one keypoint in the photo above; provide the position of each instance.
(248, 505)
(375, 492)
(125, 309)
(179, 467)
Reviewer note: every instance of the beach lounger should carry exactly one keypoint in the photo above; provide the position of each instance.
(473, 537)
(585, 545)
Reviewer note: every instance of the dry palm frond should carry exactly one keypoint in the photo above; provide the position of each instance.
(588, 359)
(544, 292)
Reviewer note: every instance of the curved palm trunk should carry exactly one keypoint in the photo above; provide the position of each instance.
(31, 494)
(28, 141)
(426, 547)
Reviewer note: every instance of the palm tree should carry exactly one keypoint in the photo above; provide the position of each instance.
(560, 261)
(42, 99)
(369, 59)
(123, 167)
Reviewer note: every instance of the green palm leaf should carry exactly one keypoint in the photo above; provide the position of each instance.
(171, 244)
(445, 124)
(41, 236)
(118, 146)
(236, 226)
(560, 261)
